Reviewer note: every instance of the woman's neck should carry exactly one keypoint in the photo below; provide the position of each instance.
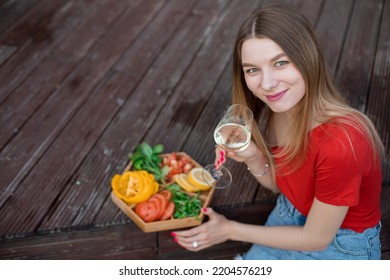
(279, 129)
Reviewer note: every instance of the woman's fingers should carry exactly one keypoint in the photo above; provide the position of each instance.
(220, 157)
(190, 240)
(210, 233)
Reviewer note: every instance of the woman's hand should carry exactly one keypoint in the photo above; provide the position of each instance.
(254, 159)
(214, 231)
(251, 152)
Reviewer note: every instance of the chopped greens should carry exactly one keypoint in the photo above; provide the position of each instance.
(185, 205)
(148, 158)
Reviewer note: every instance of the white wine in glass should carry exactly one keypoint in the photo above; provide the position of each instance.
(233, 134)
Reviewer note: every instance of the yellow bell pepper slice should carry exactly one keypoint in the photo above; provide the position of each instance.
(134, 186)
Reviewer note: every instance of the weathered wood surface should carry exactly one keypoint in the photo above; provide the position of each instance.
(83, 82)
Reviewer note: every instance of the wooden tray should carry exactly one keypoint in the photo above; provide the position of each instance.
(205, 197)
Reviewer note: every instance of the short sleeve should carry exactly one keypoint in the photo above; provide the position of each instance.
(342, 159)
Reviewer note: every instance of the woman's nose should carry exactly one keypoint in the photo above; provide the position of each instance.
(268, 81)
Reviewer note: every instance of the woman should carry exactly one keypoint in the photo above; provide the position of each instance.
(321, 155)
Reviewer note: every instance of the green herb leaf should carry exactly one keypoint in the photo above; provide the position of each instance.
(146, 149)
(136, 156)
(158, 149)
(138, 164)
(164, 170)
(156, 159)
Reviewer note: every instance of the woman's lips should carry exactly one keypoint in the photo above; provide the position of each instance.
(276, 96)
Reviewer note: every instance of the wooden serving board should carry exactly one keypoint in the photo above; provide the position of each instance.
(205, 197)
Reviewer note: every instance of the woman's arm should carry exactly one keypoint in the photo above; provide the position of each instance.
(321, 226)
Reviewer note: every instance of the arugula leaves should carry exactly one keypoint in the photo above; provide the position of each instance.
(185, 206)
(148, 158)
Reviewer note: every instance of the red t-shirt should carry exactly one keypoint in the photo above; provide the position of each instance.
(336, 174)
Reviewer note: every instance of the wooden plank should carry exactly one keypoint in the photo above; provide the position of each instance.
(32, 93)
(385, 209)
(357, 58)
(28, 96)
(72, 84)
(11, 11)
(82, 38)
(310, 9)
(5, 52)
(151, 40)
(30, 54)
(115, 242)
(386, 255)
(108, 243)
(42, 129)
(331, 29)
(34, 24)
(123, 133)
(379, 92)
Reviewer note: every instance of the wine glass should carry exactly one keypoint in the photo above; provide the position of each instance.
(233, 134)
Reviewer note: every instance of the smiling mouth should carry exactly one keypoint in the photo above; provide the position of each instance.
(276, 96)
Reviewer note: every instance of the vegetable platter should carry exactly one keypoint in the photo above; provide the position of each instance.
(160, 191)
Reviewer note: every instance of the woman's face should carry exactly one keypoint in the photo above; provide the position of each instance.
(270, 74)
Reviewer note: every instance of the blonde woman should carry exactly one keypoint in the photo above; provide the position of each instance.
(321, 155)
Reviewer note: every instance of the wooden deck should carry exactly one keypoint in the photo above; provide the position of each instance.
(83, 82)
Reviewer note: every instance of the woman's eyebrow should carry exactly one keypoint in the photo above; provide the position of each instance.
(248, 65)
(273, 59)
(278, 56)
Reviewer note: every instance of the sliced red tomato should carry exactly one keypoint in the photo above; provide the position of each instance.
(161, 203)
(147, 211)
(168, 211)
(167, 194)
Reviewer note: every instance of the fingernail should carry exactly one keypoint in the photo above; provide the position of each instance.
(204, 210)
(222, 153)
(173, 234)
(174, 240)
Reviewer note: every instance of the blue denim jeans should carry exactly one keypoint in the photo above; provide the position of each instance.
(347, 245)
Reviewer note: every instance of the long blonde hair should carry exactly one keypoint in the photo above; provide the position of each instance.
(287, 27)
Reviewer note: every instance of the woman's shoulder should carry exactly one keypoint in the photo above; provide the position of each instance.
(343, 144)
(340, 132)
(339, 126)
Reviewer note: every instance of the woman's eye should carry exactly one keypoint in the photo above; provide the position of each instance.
(281, 63)
(251, 70)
